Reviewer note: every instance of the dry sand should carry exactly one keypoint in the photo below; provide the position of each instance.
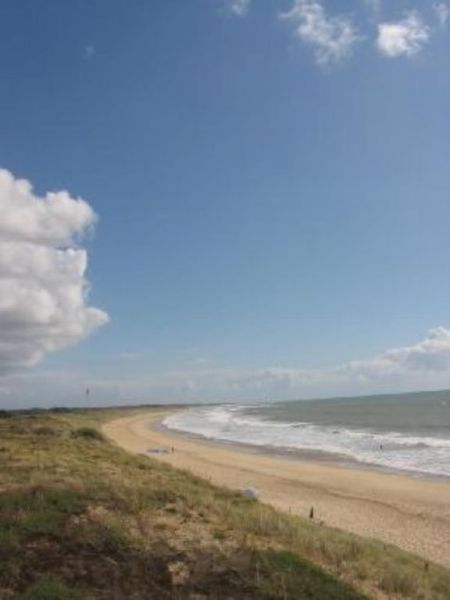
(411, 513)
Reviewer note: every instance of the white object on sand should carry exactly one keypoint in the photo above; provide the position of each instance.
(249, 492)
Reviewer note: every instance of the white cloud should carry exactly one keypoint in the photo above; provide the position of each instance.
(431, 354)
(332, 38)
(442, 12)
(239, 7)
(43, 290)
(403, 38)
(421, 365)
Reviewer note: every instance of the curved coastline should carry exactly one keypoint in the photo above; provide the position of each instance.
(410, 512)
(299, 454)
(221, 425)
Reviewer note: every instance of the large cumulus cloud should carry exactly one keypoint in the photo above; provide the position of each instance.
(43, 290)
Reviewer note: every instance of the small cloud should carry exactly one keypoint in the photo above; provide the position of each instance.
(403, 38)
(238, 8)
(442, 12)
(332, 38)
(88, 52)
(131, 355)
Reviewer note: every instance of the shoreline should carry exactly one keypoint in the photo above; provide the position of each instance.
(410, 512)
(320, 457)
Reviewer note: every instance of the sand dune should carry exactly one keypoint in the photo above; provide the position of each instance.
(413, 514)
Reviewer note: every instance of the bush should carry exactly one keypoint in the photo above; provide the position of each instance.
(50, 590)
(45, 431)
(88, 433)
(394, 582)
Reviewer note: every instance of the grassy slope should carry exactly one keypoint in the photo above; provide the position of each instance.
(80, 518)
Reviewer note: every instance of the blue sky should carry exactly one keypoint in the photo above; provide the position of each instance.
(272, 185)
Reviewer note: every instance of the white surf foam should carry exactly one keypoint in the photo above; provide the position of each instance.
(429, 455)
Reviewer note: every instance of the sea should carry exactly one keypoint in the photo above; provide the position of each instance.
(400, 432)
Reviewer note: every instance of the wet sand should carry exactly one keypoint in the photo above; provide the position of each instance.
(411, 513)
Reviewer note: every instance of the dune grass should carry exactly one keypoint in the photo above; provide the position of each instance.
(80, 518)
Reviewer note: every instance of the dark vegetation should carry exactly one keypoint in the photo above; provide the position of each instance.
(81, 519)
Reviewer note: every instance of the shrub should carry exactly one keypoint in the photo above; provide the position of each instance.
(45, 431)
(395, 582)
(88, 433)
(50, 590)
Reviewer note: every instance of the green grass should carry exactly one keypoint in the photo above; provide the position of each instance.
(51, 590)
(38, 512)
(81, 518)
(292, 576)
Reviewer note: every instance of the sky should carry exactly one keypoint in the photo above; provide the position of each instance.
(223, 200)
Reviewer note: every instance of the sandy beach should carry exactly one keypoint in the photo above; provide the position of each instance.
(411, 513)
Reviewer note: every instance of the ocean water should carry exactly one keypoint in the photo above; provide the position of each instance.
(407, 432)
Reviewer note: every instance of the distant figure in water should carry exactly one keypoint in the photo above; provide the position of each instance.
(381, 446)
